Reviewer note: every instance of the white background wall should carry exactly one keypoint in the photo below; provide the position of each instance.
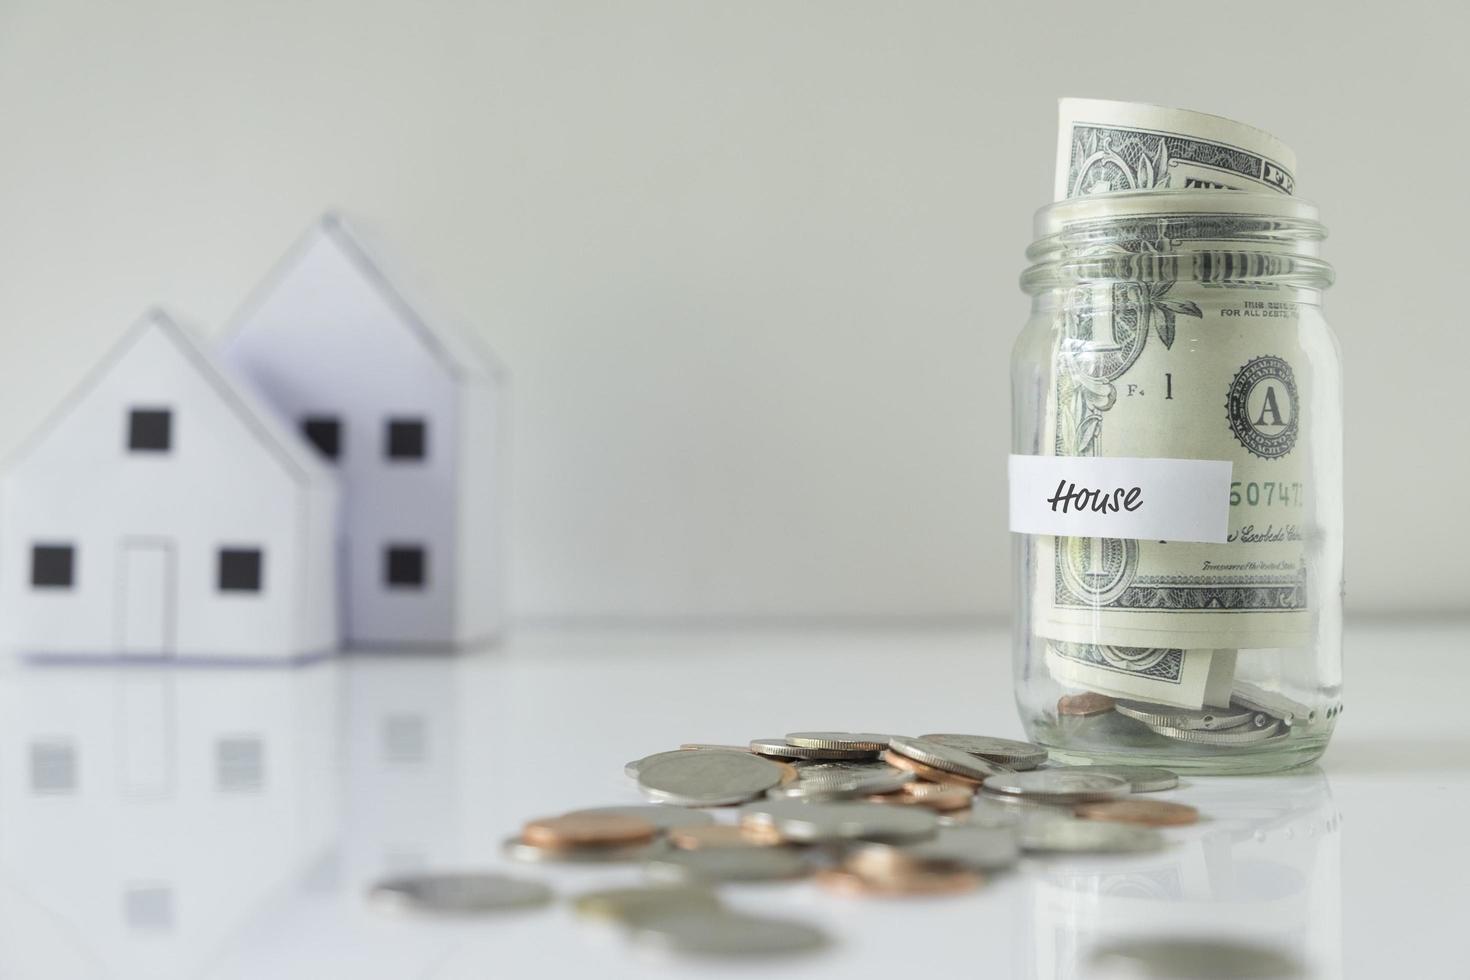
(753, 265)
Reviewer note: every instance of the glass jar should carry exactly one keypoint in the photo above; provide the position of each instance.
(1171, 611)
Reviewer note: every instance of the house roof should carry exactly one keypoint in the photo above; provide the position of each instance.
(453, 346)
(281, 443)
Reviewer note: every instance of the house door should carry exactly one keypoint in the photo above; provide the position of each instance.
(145, 621)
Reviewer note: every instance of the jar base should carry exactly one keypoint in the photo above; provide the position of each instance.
(1289, 751)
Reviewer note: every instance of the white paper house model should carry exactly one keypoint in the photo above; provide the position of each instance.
(408, 413)
(162, 511)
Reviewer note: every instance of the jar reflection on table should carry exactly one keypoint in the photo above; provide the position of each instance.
(1264, 866)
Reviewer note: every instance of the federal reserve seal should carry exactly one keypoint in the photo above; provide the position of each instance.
(1263, 408)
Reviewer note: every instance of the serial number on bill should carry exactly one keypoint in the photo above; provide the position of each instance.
(1267, 492)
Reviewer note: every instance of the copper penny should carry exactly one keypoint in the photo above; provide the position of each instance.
(939, 796)
(789, 773)
(901, 799)
(587, 830)
(944, 799)
(928, 772)
(1082, 705)
(719, 835)
(1152, 813)
(844, 881)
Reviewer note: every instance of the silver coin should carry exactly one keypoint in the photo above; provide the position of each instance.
(851, 786)
(726, 934)
(1057, 786)
(716, 864)
(707, 778)
(633, 905)
(813, 823)
(1206, 719)
(808, 768)
(1201, 959)
(632, 769)
(855, 741)
(1230, 736)
(992, 812)
(945, 757)
(1006, 751)
(1141, 779)
(518, 850)
(973, 848)
(1291, 712)
(662, 817)
(458, 894)
(779, 748)
(1064, 835)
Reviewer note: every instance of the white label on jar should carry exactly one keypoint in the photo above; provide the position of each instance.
(1117, 497)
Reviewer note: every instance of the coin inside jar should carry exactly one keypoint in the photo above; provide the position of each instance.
(588, 830)
(1187, 719)
(1150, 813)
(1084, 705)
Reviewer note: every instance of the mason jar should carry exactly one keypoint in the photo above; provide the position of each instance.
(1176, 482)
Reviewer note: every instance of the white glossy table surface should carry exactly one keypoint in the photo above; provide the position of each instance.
(224, 823)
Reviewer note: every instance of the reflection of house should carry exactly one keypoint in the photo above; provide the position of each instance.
(409, 760)
(162, 511)
(407, 411)
(147, 815)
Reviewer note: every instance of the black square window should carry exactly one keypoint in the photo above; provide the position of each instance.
(239, 570)
(150, 430)
(325, 433)
(407, 439)
(405, 566)
(52, 566)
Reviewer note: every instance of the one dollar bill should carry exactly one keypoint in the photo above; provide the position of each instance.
(1145, 375)
(1187, 678)
(1107, 146)
(1155, 620)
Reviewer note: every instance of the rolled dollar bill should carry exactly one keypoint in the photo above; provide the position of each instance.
(1185, 678)
(1129, 146)
(1140, 370)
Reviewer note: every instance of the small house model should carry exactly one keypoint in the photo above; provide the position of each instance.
(407, 411)
(162, 511)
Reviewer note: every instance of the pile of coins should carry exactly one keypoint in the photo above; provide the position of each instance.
(857, 812)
